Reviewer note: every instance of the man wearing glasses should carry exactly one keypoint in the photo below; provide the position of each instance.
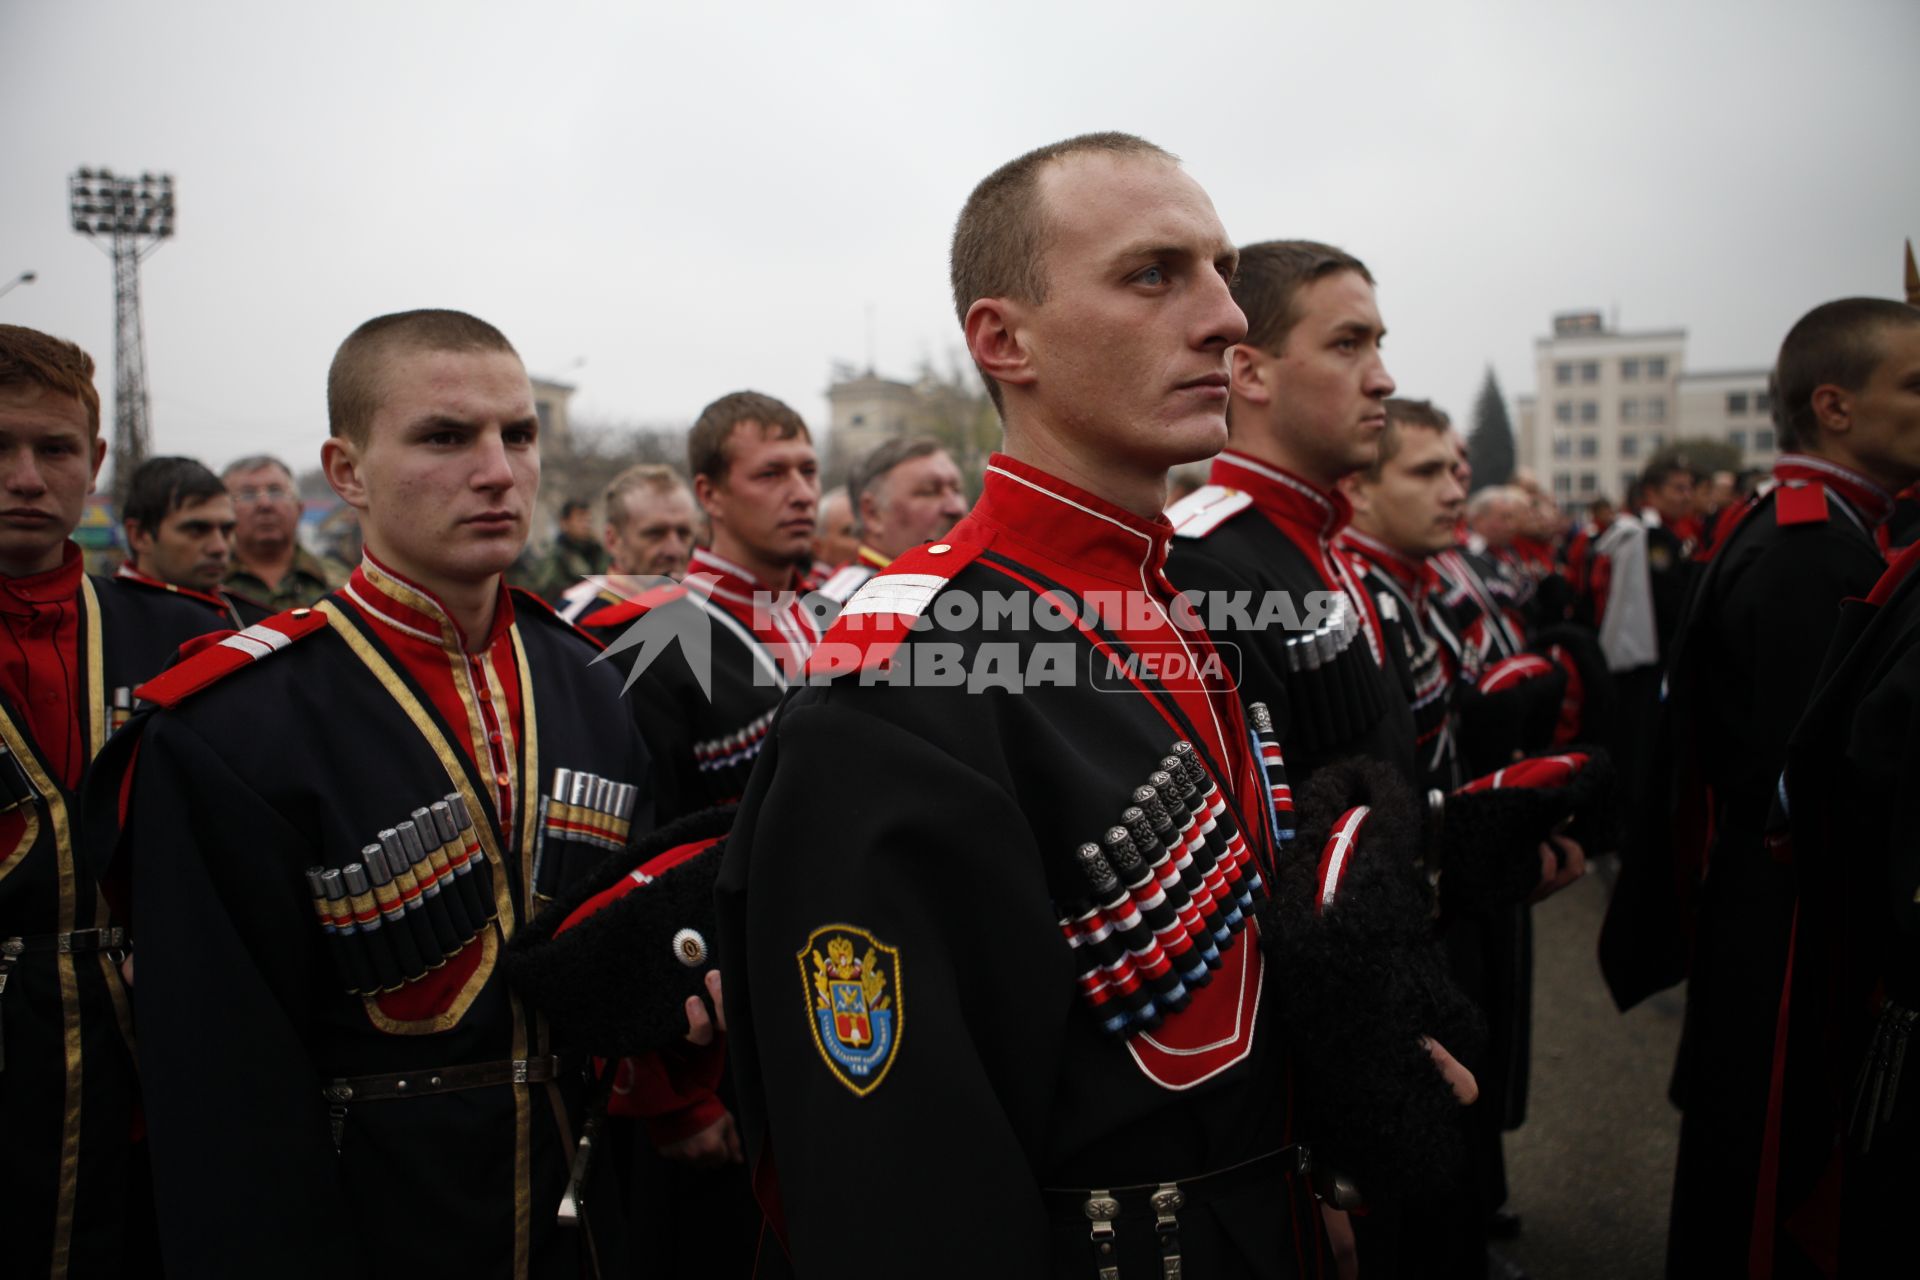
(269, 564)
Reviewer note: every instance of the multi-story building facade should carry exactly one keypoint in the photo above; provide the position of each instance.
(1730, 405)
(1606, 400)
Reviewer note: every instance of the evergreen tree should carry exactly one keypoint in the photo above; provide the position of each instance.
(1490, 447)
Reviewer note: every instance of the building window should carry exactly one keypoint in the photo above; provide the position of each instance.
(1736, 404)
(1738, 439)
(858, 420)
(1589, 483)
(1562, 447)
(1589, 447)
(1629, 411)
(1590, 371)
(1763, 440)
(1562, 484)
(1655, 440)
(1656, 366)
(1762, 402)
(1629, 446)
(1657, 409)
(1563, 411)
(1563, 374)
(1589, 411)
(1627, 480)
(1629, 370)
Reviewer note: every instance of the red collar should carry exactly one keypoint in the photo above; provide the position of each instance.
(714, 575)
(390, 601)
(49, 586)
(1305, 510)
(1415, 577)
(1064, 525)
(1872, 502)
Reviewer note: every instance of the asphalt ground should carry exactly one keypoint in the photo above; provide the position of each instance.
(1591, 1170)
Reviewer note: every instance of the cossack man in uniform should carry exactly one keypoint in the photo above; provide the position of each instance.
(327, 1032)
(179, 520)
(72, 648)
(907, 494)
(1710, 899)
(1032, 949)
(741, 609)
(1308, 397)
(649, 531)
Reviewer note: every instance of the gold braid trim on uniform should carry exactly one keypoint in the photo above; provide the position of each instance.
(522, 1104)
(503, 924)
(424, 724)
(70, 902)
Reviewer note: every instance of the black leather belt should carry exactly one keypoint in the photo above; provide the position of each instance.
(415, 1084)
(73, 943)
(1161, 1202)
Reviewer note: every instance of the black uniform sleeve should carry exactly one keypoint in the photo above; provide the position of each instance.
(937, 863)
(1203, 578)
(1787, 607)
(227, 957)
(657, 702)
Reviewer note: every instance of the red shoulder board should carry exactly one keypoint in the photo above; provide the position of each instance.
(221, 655)
(877, 617)
(1799, 502)
(627, 610)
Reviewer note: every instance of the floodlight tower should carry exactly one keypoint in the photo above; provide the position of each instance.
(134, 214)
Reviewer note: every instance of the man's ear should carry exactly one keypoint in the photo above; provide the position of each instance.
(867, 516)
(139, 541)
(99, 456)
(995, 329)
(1359, 493)
(1251, 372)
(340, 462)
(1833, 408)
(707, 495)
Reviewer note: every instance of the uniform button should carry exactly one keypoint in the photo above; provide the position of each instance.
(938, 549)
(493, 737)
(302, 612)
(502, 779)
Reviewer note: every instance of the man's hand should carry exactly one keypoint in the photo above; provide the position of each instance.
(1459, 1079)
(1562, 861)
(700, 1026)
(713, 1146)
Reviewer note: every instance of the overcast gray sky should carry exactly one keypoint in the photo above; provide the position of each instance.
(695, 199)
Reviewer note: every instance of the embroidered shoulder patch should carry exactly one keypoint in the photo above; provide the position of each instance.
(851, 983)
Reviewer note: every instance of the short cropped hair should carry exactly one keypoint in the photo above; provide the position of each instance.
(881, 459)
(572, 505)
(1271, 277)
(30, 358)
(654, 476)
(1000, 242)
(709, 451)
(1406, 415)
(1662, 470)
(161, 486)
(254, 462)
(1836, 344)
(355, 379)
(1496, 495)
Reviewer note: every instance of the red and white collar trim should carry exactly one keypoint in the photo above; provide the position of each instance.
(412, 610)
(1282, 495)
(1065, 524)
(1873, 503)
(1415, 576)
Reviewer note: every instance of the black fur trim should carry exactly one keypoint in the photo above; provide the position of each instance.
(1362, 981)
(1489, 844)
(613, 985)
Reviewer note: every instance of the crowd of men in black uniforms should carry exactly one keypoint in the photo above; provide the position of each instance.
(1199, 842)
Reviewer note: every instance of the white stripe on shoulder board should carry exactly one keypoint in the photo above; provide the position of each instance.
(267, 636)
(903, 593)
(1203, 510)
(246, 644)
